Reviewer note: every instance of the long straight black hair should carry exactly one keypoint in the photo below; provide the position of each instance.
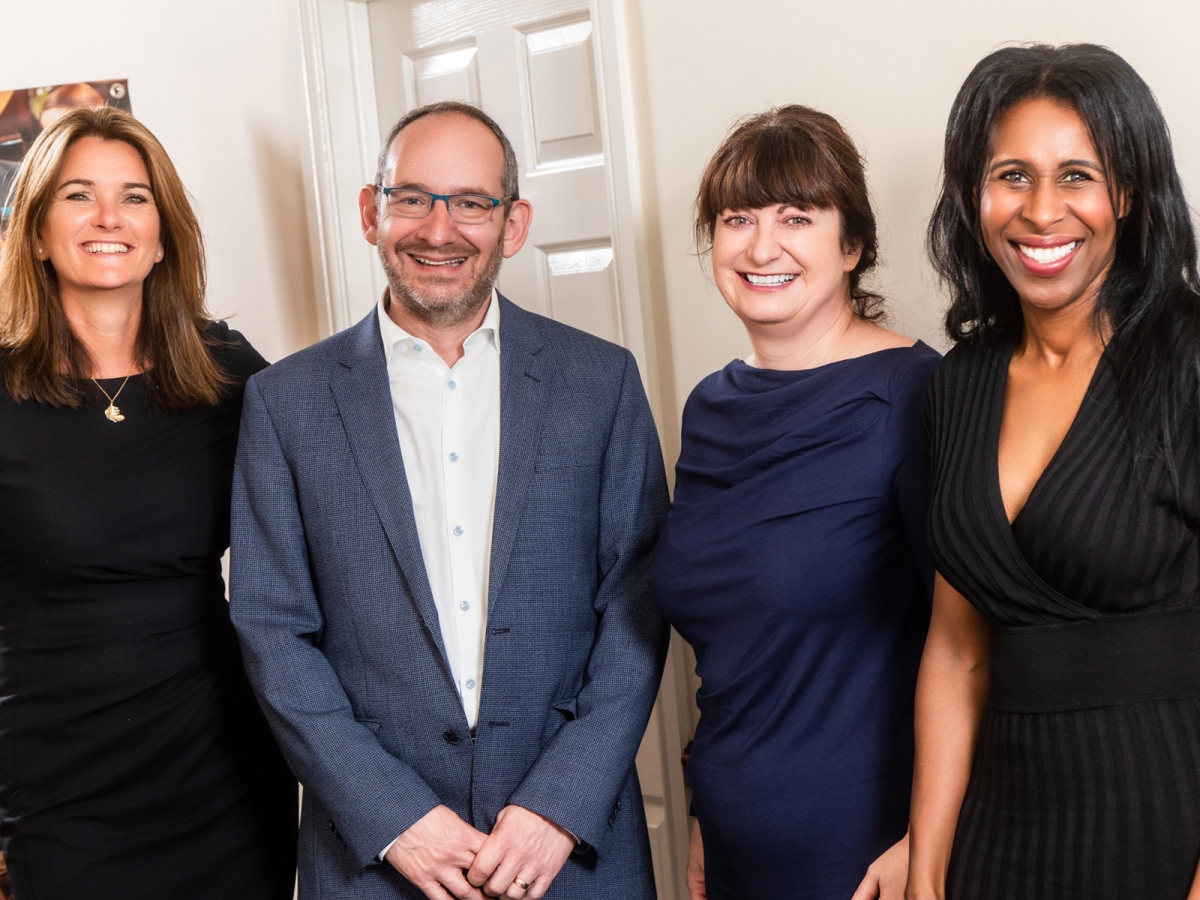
(1151, 297)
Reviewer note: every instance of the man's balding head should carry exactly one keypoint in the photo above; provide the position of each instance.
(453, 107)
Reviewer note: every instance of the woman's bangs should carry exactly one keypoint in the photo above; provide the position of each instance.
(772, 176)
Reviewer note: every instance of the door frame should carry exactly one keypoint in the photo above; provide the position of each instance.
(343, 142)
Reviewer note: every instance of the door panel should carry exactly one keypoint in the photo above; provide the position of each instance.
(579, 286)
(561, 79)
(447, 74)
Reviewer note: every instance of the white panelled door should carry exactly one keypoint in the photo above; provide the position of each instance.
(532, 66)
(550, 73)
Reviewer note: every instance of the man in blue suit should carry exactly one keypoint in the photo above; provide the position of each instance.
(442, 530)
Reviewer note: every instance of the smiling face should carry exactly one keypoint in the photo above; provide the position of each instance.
(101, 231)
(782, 267)
(439, 270)
(1045, 210)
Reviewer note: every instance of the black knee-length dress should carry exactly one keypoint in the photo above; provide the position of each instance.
(134, 762)
(1086, 778)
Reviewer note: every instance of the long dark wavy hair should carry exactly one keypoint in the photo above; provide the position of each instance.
(1151, 297)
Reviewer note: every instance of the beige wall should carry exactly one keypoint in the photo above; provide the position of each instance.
(219, 83)
(889, 71)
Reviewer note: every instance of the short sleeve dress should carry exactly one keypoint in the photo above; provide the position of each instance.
(794, 561)
(134, 761)
(1086, 778)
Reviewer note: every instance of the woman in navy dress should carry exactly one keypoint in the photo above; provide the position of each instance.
(794, 557)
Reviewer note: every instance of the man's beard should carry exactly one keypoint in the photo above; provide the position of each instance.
(445, 311)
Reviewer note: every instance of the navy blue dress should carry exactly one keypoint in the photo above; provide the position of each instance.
(794, 560)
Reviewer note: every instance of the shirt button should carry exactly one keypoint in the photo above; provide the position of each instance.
(464, 606)
(418, 347)
(453, 457)
(451, 385)
(458, 530)
(470, 684)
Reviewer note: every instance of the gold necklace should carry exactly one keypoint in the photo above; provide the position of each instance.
(113, 413)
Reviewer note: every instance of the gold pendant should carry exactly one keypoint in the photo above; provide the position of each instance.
(113, 413)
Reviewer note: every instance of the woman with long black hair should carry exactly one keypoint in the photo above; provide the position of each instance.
(1058, 703)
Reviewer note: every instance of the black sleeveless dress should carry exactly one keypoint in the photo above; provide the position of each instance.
(134, 761)
(1086, 779)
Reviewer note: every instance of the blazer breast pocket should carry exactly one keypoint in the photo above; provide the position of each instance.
(558, 450)
(564, 462)
(566, 489)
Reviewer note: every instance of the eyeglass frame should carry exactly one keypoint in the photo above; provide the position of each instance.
(445, 198)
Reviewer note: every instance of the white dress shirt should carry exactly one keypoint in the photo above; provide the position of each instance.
(448, 421)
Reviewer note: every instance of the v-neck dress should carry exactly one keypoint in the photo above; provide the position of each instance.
(794, 561)
(1086, 777)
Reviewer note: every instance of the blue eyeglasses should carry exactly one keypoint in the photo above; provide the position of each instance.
(469, 209)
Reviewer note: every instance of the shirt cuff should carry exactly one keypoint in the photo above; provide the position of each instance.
(384, 852)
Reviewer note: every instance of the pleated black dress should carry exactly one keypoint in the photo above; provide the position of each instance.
(134, 761)
(1086, 779)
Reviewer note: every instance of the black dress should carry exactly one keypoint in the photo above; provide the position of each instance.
(134, 762)
(1086, 779)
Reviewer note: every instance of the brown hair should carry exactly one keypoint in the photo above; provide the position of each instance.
(43, 359)
(509, 176)
(800, 157)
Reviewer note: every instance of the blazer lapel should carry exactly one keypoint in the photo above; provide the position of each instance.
(363, 396)
(525, 376)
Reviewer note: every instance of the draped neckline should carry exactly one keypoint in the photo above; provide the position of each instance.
(743, 421)
(744, 374)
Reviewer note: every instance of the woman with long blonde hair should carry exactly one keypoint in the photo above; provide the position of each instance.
(134, 761)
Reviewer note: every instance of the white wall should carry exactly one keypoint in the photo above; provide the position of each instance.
(888, 71)
(219, 83)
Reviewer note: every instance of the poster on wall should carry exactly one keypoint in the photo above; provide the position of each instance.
(24, 112)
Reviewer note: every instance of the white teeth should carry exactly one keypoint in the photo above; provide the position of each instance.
(439, 262)
(764, 280)
(1047, 254)
(105, 248)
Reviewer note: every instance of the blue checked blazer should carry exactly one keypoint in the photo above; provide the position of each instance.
(341, 637)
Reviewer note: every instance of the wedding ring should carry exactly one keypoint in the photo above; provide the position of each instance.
(523, 885)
